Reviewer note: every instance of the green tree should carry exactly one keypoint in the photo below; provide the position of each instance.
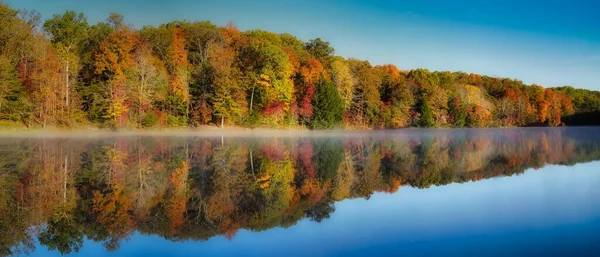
(427, 120)
(13, 102)
(320, 49)
(92, 90)
(67, 30)
(328, 108)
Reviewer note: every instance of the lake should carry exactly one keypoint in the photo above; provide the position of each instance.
(482, 192)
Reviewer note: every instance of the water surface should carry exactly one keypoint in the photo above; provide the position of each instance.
(492, 192)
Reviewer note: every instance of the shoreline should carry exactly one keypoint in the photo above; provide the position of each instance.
(234, 132)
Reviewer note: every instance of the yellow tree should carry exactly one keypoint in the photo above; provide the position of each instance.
(344, 82)
(229, 98)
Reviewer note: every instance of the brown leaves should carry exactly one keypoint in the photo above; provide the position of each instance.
(312, 71)
(179, 66)
(116, 54)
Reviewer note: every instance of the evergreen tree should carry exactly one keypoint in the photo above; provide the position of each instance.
(328, 106)
(13, 103)
(427, 119)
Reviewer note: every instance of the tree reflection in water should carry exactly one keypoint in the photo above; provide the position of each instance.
(61, 190)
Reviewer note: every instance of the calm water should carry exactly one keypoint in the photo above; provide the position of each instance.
(414, 193)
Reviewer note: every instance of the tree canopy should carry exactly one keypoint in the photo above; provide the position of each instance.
(69, 73)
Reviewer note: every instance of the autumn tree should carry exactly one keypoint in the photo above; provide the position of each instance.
(397, 98)
(479, 108)
(559, 105)
(342, 77)
(178, 66)
(268, 75)
(458, 112)
(149, 76)
(229, 99)
(540, 103)
(366, 100)
(66, 32)
(113, 63)
(311, 72)
(45, 80)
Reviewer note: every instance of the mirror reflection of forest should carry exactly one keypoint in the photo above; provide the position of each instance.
(61, 191)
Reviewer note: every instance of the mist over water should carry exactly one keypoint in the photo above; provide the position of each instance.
(271, 193)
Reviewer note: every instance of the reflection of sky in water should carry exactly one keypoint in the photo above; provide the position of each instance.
(552, 211)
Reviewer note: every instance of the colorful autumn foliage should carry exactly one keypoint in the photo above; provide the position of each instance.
(196, 73)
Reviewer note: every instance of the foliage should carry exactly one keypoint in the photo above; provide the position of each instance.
(427, 120)
(13, 101)
(458, 112)
(328, 106)
(149, 120)
(197, 73)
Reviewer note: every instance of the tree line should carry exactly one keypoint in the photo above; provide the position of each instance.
(64, 72)
(58, 191)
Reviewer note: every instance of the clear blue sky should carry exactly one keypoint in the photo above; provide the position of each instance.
(549, 42)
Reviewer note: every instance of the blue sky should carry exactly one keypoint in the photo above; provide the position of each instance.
(550, 42)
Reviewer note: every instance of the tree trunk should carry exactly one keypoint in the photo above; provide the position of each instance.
(222, 122)
(141, 91)
(67, 87)
(187, 110)
(252, 97)
(139, 167)
(65, 179)
(251, 162)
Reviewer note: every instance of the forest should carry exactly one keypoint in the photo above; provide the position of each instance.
(66, 73)
(62, 191)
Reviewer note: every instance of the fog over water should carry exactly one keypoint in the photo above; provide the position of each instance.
(498, 192)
